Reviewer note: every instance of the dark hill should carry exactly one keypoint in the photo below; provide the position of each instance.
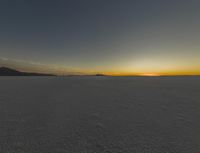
(4, 71)
(100, 75)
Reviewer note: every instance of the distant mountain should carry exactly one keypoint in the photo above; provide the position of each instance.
(4, 71)
(100, 75)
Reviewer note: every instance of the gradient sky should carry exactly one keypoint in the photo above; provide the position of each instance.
(119, 37)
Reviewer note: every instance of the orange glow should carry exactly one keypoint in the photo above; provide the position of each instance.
(167, 73)
(150, 74)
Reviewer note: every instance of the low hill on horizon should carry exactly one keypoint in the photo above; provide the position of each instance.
(5, 71)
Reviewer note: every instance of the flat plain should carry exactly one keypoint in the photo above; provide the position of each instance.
(99, 114)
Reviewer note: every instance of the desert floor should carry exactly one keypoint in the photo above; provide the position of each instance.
(99, 114)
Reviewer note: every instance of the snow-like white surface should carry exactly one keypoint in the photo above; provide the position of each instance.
(100, 114)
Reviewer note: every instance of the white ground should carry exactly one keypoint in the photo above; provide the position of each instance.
(100, 115)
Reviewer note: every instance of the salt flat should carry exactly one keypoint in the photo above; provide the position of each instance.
(99, 114)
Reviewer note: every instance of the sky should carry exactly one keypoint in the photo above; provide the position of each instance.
(115, 37)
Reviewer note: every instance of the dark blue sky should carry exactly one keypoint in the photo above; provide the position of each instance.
(119, 36)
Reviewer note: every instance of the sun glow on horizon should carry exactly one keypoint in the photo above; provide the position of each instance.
(150, 74)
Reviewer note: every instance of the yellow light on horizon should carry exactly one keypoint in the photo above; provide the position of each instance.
(150, 74)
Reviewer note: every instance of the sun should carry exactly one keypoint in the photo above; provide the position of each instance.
(150, 74)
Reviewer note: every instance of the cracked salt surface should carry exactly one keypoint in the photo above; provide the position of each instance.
(99, 114)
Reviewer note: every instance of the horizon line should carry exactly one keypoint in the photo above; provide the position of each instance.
(114, 74)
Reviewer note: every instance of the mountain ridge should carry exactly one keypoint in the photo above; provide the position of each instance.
(5, 71)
